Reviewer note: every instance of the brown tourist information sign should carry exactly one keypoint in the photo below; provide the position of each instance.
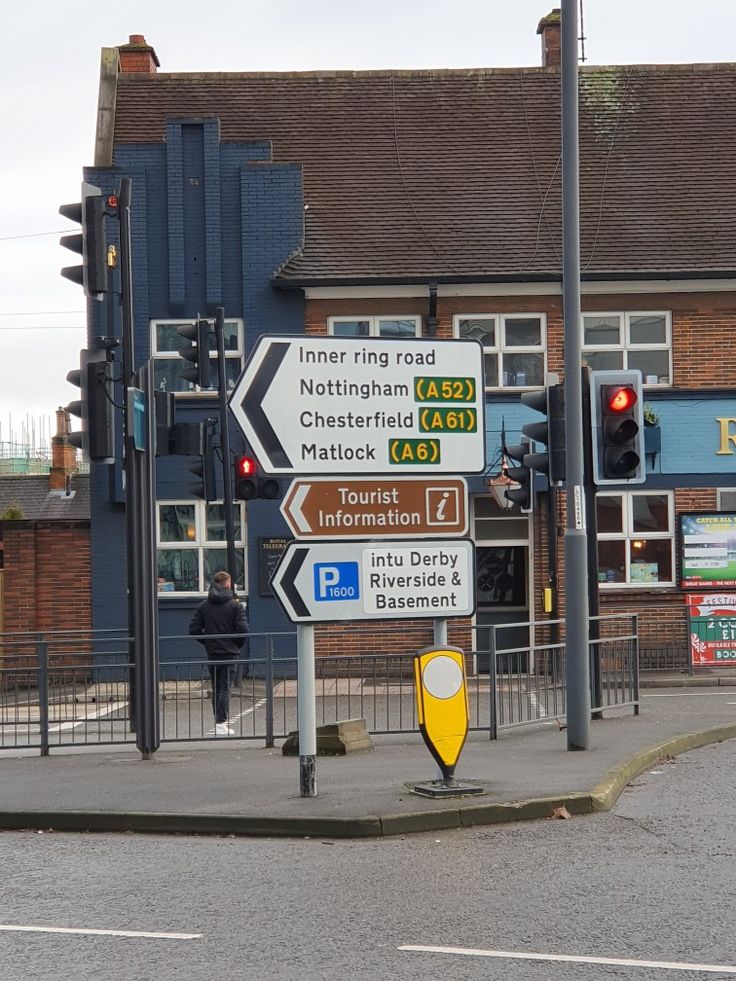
(383, 507)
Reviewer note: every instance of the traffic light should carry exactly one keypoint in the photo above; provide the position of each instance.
(198, 353)
(90, 243)
(251, 483)
(550, 401)
(523, 495)
(617, 421)
(95, 406)
(195, 439)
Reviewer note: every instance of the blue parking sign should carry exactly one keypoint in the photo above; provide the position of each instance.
(336, 581)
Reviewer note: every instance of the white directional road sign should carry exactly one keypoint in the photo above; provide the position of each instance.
(326, 581)
(350, 405)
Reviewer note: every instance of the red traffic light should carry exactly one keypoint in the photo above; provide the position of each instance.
(620, 398)
(246, 467)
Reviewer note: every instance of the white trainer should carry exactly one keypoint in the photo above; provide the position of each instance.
(223, 729)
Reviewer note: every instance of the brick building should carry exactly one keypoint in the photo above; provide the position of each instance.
(428, 203)
(44, 544)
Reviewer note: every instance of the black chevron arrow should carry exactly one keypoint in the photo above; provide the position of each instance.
(287, 581)
(253, 405)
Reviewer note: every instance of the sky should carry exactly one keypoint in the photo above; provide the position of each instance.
(48, 100)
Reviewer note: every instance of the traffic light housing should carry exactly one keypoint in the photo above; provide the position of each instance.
(197, 353)
(617, 421)
(95, 406)
(196, 440)
(163, 405)
(251, 483)
(90, 243)
(550, 401)
(522, 474)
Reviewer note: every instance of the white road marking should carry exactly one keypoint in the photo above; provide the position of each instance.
(572, 959)
(689, 694)
(537, 709)
(147, 934)
(90, 717)
(246, 712)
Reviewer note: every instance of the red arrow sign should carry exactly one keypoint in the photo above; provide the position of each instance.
(398, 507)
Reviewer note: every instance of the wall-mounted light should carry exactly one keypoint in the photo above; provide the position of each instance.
(498, 487)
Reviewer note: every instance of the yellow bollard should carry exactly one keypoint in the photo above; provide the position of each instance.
(442, 713)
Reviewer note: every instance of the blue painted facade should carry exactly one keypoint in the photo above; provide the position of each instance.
(210, 224)
(697, 433)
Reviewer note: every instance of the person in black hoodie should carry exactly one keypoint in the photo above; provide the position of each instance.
(222, 623)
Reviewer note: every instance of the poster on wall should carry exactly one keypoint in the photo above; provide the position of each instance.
(270, 551)
(708, 551)
(712, 629)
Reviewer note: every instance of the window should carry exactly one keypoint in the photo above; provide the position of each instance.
(501, 557)
(630, 340)
(635, 538)
(168, 365)
(192, 545)
(375, 326)
(513, 347)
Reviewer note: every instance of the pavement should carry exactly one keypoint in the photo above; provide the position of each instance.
(239, 788)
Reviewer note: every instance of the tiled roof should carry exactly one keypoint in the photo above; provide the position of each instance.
(32, 496)
(456, 174)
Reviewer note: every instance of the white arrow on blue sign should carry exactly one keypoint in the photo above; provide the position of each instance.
(325, 582)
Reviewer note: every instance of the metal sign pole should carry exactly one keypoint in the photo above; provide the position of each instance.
(129, 458)
(307, 702)
(148, 738)
(227, 473)
(576, 545)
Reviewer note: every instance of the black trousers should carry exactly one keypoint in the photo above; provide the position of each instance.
(221, 676)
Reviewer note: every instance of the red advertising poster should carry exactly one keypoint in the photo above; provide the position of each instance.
(712, 629)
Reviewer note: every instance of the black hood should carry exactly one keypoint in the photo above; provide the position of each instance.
(219, 594)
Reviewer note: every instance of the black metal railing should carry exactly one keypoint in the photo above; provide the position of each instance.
(66, 688)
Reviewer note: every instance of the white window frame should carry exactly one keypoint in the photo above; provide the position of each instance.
(501, 348)
(627, 535)
(624, 338)
(374, 322)
(199, 543)
(194, 390)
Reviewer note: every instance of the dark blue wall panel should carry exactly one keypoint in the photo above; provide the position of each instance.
(211, 223)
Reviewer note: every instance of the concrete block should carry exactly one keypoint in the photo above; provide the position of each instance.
(334, 739)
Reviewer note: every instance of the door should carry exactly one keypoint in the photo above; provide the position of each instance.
(503, 575)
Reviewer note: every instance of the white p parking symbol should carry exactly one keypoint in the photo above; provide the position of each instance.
(328, 577)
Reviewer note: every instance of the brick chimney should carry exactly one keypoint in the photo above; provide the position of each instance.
(63, 454)
(549, 28)
(138, 56)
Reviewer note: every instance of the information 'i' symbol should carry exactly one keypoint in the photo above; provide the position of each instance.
(440, 513)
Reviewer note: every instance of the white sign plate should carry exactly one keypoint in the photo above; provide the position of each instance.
(350, 405)
(323, 582)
